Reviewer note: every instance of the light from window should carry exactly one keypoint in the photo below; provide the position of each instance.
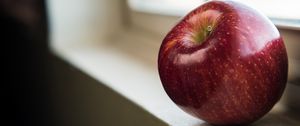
(283, 9)
(165, 7)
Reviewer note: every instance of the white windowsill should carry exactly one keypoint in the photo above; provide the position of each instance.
(128, 74)
(121, 65)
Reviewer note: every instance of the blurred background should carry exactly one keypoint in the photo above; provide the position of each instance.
(45, 45)
(24, 38)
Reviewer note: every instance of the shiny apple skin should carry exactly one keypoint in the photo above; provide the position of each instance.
(235, 76)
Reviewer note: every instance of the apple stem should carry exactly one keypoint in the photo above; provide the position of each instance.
(207, 32)
(209, 29)
(202, 35)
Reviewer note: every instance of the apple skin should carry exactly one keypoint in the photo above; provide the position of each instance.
(224, 63)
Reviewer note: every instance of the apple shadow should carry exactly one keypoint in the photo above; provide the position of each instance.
(276, 117)
(279, 118)
(205, 124)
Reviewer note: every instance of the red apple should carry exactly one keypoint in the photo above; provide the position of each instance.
(224, 63)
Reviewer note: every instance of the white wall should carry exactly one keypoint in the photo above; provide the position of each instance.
(77, 21)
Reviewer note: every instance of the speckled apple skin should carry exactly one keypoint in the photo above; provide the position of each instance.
(236, 75)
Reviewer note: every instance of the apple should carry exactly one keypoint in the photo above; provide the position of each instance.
(224, 63)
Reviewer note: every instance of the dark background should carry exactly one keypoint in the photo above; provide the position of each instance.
(24, 44)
